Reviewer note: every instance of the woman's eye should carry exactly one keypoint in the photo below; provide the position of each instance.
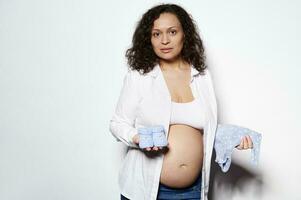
(155, 34)
(173, 32)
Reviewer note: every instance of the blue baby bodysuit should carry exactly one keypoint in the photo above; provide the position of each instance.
(227, 137)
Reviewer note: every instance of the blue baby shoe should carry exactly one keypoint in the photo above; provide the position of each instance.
(159, 137)
(145, 137)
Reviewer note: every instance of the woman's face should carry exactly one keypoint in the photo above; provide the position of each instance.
(167, 37)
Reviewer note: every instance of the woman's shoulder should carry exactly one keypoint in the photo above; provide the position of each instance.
(204, 75)
(136, 79)
(136, 75)
(207, 73)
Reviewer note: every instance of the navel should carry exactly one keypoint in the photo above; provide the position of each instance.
(183, 166)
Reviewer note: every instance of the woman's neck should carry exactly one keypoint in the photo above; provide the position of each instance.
(177, 65)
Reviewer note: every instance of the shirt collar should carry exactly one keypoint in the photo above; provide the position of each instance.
(155, 71)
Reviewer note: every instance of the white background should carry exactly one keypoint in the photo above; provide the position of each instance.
(61, 69)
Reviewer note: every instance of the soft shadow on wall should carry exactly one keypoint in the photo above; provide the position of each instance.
(237, 179)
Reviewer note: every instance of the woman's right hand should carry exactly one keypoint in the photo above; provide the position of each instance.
(136, 141)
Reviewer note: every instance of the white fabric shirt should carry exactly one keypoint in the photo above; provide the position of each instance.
(145, 101)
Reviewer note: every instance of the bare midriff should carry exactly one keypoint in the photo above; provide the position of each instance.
(183, 161)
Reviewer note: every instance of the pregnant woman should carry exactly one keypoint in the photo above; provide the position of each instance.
(167, 84)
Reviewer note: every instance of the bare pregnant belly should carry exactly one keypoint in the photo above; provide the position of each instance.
(183, 162)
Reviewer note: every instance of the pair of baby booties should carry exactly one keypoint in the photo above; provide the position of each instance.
(152, 136)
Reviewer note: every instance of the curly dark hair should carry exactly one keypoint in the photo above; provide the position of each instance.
(141, 56)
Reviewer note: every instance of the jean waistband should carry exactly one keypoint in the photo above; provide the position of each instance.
(194, 186)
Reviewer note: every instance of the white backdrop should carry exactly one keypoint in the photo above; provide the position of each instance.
(61, 69)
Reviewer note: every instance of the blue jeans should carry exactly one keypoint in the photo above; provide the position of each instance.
(192, 192)
(123, 197)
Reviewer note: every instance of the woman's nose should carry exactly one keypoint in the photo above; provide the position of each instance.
(165, 39)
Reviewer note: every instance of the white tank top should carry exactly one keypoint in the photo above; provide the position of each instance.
(190, 113)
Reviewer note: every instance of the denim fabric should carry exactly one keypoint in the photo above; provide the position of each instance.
(227, 137)
(192, 192)
(123, 197)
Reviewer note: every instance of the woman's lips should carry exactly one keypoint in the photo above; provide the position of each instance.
(166, 50)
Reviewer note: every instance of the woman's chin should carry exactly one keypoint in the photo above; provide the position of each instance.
(169, 58)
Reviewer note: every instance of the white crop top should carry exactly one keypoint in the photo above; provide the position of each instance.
(190, 113)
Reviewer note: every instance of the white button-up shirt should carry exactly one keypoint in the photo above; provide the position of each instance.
(145, 101)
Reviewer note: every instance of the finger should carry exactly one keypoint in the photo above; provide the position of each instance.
(250, 143)
(241, 145)
(155, 148)
(245, 142)
(148, 149)
(136, 139)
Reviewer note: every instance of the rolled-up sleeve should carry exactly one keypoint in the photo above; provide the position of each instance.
(123, 120)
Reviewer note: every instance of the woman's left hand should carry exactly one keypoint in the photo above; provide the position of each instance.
(246, 143)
